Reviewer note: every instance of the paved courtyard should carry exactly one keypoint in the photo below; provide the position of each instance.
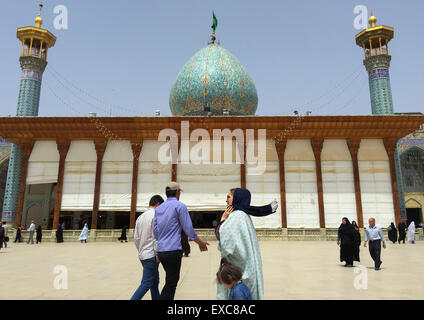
(292, 270)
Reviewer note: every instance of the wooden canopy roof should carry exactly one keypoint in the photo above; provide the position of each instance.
(21, 129)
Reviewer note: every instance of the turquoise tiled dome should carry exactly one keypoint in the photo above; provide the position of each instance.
(213, 80)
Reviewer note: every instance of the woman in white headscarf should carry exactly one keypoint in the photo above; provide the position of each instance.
(411, 232)
(84, 234)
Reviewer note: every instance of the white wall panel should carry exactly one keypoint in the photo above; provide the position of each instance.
(205, 186)
(43, 165)
(338, 183)
(79, 177)
(301, 185)
(152, 175)
(376, 191)
(116, 180)
(265, 187)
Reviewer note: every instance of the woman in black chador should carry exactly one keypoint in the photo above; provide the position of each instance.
(39, 234)
(392, 232)
(59, 234)
(123, 236)
(346, 241)
(357, 242)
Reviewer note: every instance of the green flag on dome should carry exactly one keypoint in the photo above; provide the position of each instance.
(215, 21)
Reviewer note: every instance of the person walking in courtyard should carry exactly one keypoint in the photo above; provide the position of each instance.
(392, 233)
(59, 233)
(18, 237)
(357, 242)
(402, 231)
(146, 246)
(84, 234)
(374, 235)
(346, 241)
(230, 276)
(411, 232)
(1, 235)
(31, 230)
(39, 234)
(170, 218)
(238, 242)
(123, 236)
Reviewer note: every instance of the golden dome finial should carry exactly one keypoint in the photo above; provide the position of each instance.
(373, 20)
(39, 20)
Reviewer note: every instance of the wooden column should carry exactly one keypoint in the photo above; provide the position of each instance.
(136, 149)
(317, 144)
(100, 146)
(174, 156)
(281, 149)
(26, 148)
(242, 151)
(62, 147)
(353, 145)
(390, 145)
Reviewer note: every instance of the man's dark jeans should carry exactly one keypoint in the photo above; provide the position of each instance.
(150, 280)
(171, 262)
(375, 251)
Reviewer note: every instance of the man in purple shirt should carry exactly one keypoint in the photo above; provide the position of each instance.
(170, 217)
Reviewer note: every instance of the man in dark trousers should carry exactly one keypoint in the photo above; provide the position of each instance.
(374, 235)
(170, 218)
(402, 231)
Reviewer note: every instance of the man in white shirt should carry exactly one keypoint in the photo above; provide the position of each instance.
(146, 245)
(374, 235)
(31, 230)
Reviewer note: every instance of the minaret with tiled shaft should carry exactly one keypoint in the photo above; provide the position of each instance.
(35, 44)
(375, 43)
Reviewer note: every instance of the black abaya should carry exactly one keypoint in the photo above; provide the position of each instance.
(392, 232)
(39, 234)
(59, 234)
(346, 235)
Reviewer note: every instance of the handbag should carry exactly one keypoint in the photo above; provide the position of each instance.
(6, 239)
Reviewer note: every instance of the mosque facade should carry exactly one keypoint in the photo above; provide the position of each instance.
(104, 170)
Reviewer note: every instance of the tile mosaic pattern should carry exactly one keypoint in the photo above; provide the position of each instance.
(382, 103)
(379, 81)
(213, 80)
(28, 103)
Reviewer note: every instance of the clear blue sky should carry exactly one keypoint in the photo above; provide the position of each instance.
(122, 57)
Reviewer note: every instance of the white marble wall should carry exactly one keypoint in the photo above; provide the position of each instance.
(43, 165)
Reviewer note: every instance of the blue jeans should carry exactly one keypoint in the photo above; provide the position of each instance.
(150, 280)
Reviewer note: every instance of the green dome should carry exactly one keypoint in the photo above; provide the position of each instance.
(213, 80)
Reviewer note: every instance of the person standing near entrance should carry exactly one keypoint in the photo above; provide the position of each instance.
(374, 235)
(170, 218)
(39, 234)
(411, 232)
(402, 232)
(123, 236)
(146, 246)
(84, 234)
(59, 233)
(6, 238)
(31, 230)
